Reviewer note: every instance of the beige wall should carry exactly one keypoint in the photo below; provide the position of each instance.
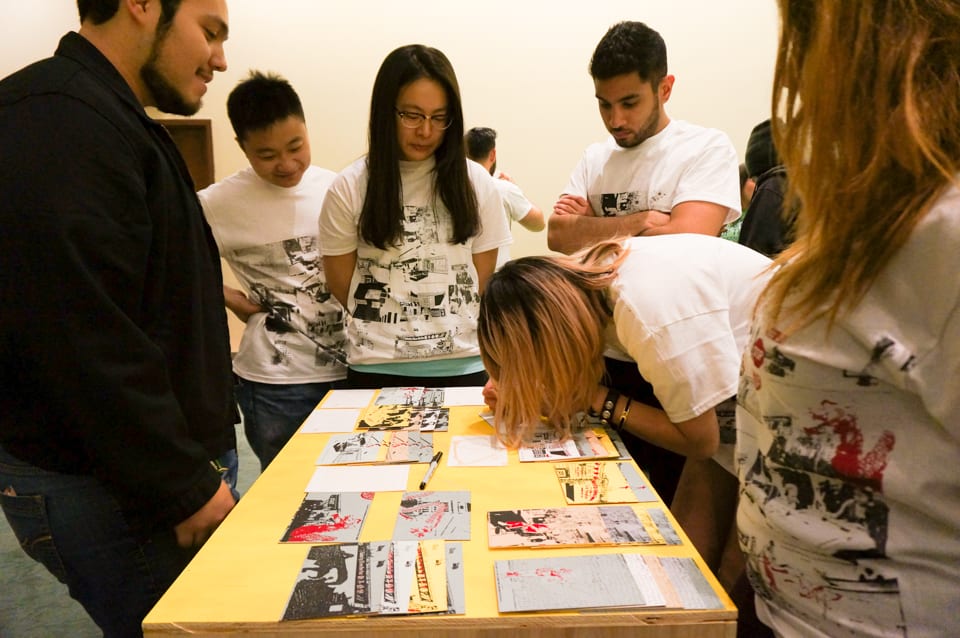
(522, 67)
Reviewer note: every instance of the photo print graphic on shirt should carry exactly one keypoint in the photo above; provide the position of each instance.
(846, 518)
(842, 591)
(613, 204)
(410, 289)
(301, 308)
(824, 469)
(885, 348)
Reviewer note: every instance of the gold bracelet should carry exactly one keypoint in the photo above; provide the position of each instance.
(623, 415)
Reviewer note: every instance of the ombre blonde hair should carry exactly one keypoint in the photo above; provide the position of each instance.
(870, 136)
(541, 333)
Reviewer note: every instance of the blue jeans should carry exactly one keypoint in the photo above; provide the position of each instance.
(73, 526)
(272, 413)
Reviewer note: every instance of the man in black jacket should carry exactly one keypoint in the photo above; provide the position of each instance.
(115, 381)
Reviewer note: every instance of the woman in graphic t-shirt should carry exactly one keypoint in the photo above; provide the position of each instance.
(410, 233)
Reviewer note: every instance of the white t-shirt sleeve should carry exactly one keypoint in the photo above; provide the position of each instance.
(514, 202)
(713, 176)
(208, 201)
(577, 184)
(340, 214)
(494, 231)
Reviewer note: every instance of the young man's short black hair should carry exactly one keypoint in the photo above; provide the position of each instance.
(479, 141)
(261, 100)
(630, 47)
(99, 11)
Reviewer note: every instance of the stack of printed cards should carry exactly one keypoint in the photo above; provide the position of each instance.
(389, 577)
(602, 582)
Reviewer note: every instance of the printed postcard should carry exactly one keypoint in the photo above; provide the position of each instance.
(425, 515)
(655, 520)
(456, 588)
(565, 527)
(568, 583)
(594, 482)
(328, 517)
(414, 396)
(333, 581)
(409, 447)
(355, 447)
(402, 417)
(430, 588)
(398, 574)
(591, 443)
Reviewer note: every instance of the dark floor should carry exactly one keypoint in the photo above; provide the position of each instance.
(35, 605)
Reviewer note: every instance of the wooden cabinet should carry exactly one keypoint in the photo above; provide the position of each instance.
(194, 138)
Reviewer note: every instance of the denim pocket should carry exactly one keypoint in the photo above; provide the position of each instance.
(27, 516)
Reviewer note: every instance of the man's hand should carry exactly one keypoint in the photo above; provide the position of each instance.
(490, 394)
(240, 304)
(195, 531)
(572, 205)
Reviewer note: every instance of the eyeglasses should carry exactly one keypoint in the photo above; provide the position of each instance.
(415, 120)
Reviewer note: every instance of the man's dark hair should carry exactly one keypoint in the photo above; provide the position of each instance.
(630, 47)
(479, 141)
(259, 101)
(99, 11)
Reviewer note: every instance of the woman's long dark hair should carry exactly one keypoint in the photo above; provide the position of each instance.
(381, 220)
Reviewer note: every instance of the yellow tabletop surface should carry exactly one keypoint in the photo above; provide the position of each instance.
(241, 579)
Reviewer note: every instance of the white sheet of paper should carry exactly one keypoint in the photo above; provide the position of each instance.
(359, 478)
(348, 399)
(472, 395)
(331, 420)
(476, 451)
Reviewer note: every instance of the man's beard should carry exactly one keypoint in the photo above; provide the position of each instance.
(166, 97)
(647, 130)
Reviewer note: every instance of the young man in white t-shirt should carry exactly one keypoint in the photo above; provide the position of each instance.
(264, 219)
(480, 143)
(653, 175)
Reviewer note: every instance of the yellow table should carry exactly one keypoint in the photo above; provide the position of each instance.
(241, 579)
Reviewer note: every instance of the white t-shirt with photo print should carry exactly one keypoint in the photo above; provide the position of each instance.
(419, 300)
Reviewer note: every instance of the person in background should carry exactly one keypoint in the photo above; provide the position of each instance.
(115, 384)
(652, 176)
(849, 390)
(765, 227)
(411, 233)
(731, 231)
(481, 145)
(264, 219)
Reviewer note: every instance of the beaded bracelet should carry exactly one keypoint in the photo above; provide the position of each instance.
(623, 415)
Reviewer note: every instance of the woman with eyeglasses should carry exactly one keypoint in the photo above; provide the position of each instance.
(410, 233)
